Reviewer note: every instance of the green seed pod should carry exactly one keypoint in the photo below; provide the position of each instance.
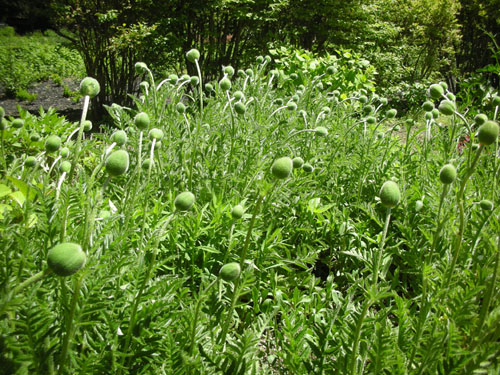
(64, 152)
(17, 123)
(185, 77)
(278, 102)
(90, 87)
(249, 72)
(144, 86)
(194, 80)
(267, 58)
(30, 162)
(428, 116)
(384, 101)
(225, 84)
(299, 92)
(173, 78)
(391, 113)
(229, 70)
(320, 86)
(291, 106)
(435, 113)
(496, 100)
(308, 168)
(488, 133)
(448, 174)
(184, 201)
(295, 98)
(192, 55)
(486, 205)
(230, 271)
(419, 205)
(156, 134)
(428, 106)
(451, 97)
(180, 107)
(444, 85)
(436, 91)
(375, 97)
(241, 73)
(321, 131)
(65, 166)
(35, 137)
(141, 120)
(66, 259)
(389, 194)
(294, 76)
(274, 72)
(363, 99)
(480, 118)
(87, 125)
(119, 137)
(3, 123)
(238, 95)
(117, 163)
(209, 87)
(371, 120)
(326, 109)
(140, 68)
(330, 69)
(446, 107)
(2, 112)
(237, 212)
(53, 143)
(146, 163)
(240, 108)
(336, 93)
(260, 59)
(396, 128)
(301, 87)
(380, 135)
(282, 167)
(368, 109)
(297, 162)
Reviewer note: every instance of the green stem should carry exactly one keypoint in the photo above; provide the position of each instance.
(196, 313)
(357, 334)
(78, 144)
(381, 247)
(201, 87)
(3, 152)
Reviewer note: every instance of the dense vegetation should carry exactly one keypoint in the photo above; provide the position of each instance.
(266, 223)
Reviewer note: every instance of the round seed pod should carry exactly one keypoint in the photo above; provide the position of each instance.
(363, 99)
(237, 212)
(89, 87)
(119, 137)
(180, 107)
(140, 68)
(391, 113)
(451, 97)
(330, 69)
(17, 123)
(35, 137)
(141, 120)
(295, 98)
(30, 162)
(64, 152)
(488, 133)
(146, 163)
(156, 134)
(241, 73)
(184, 201)
(238, 95)
(275, 72)
(173, 78)
(2, 112)
(282, 167)
(428, 116)
(66, 259)
(419, 205)
(448, 174)
(53, 143)
(321, 131)
(249, 72)
(209, 87)
(368, 109)
(384, 101)
(435, 113)
(192, 55)
(291, 106)
(480, 118)
(259, 59)
(301, 87)
(496, 100)
(278, 102)
(65, 166)
(396, 128)
(389, 194)
(299, 92)
(117, 163)
(444, 85)
(380, 135)
(436, 91)
(144, 86)
(185, 77)
(428, 106)
(294, 76)
(297, 162)
(230, 271)
(240, 108)
(446, 107)
(229, 70)
(308, 168)
(3, 124)
(371, 120)
(87, 125)
(225, 84)
(486, 205)
(267, 58)
(194, 80)
(375, 97)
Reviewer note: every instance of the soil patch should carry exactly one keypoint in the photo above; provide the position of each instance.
(49, 94)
